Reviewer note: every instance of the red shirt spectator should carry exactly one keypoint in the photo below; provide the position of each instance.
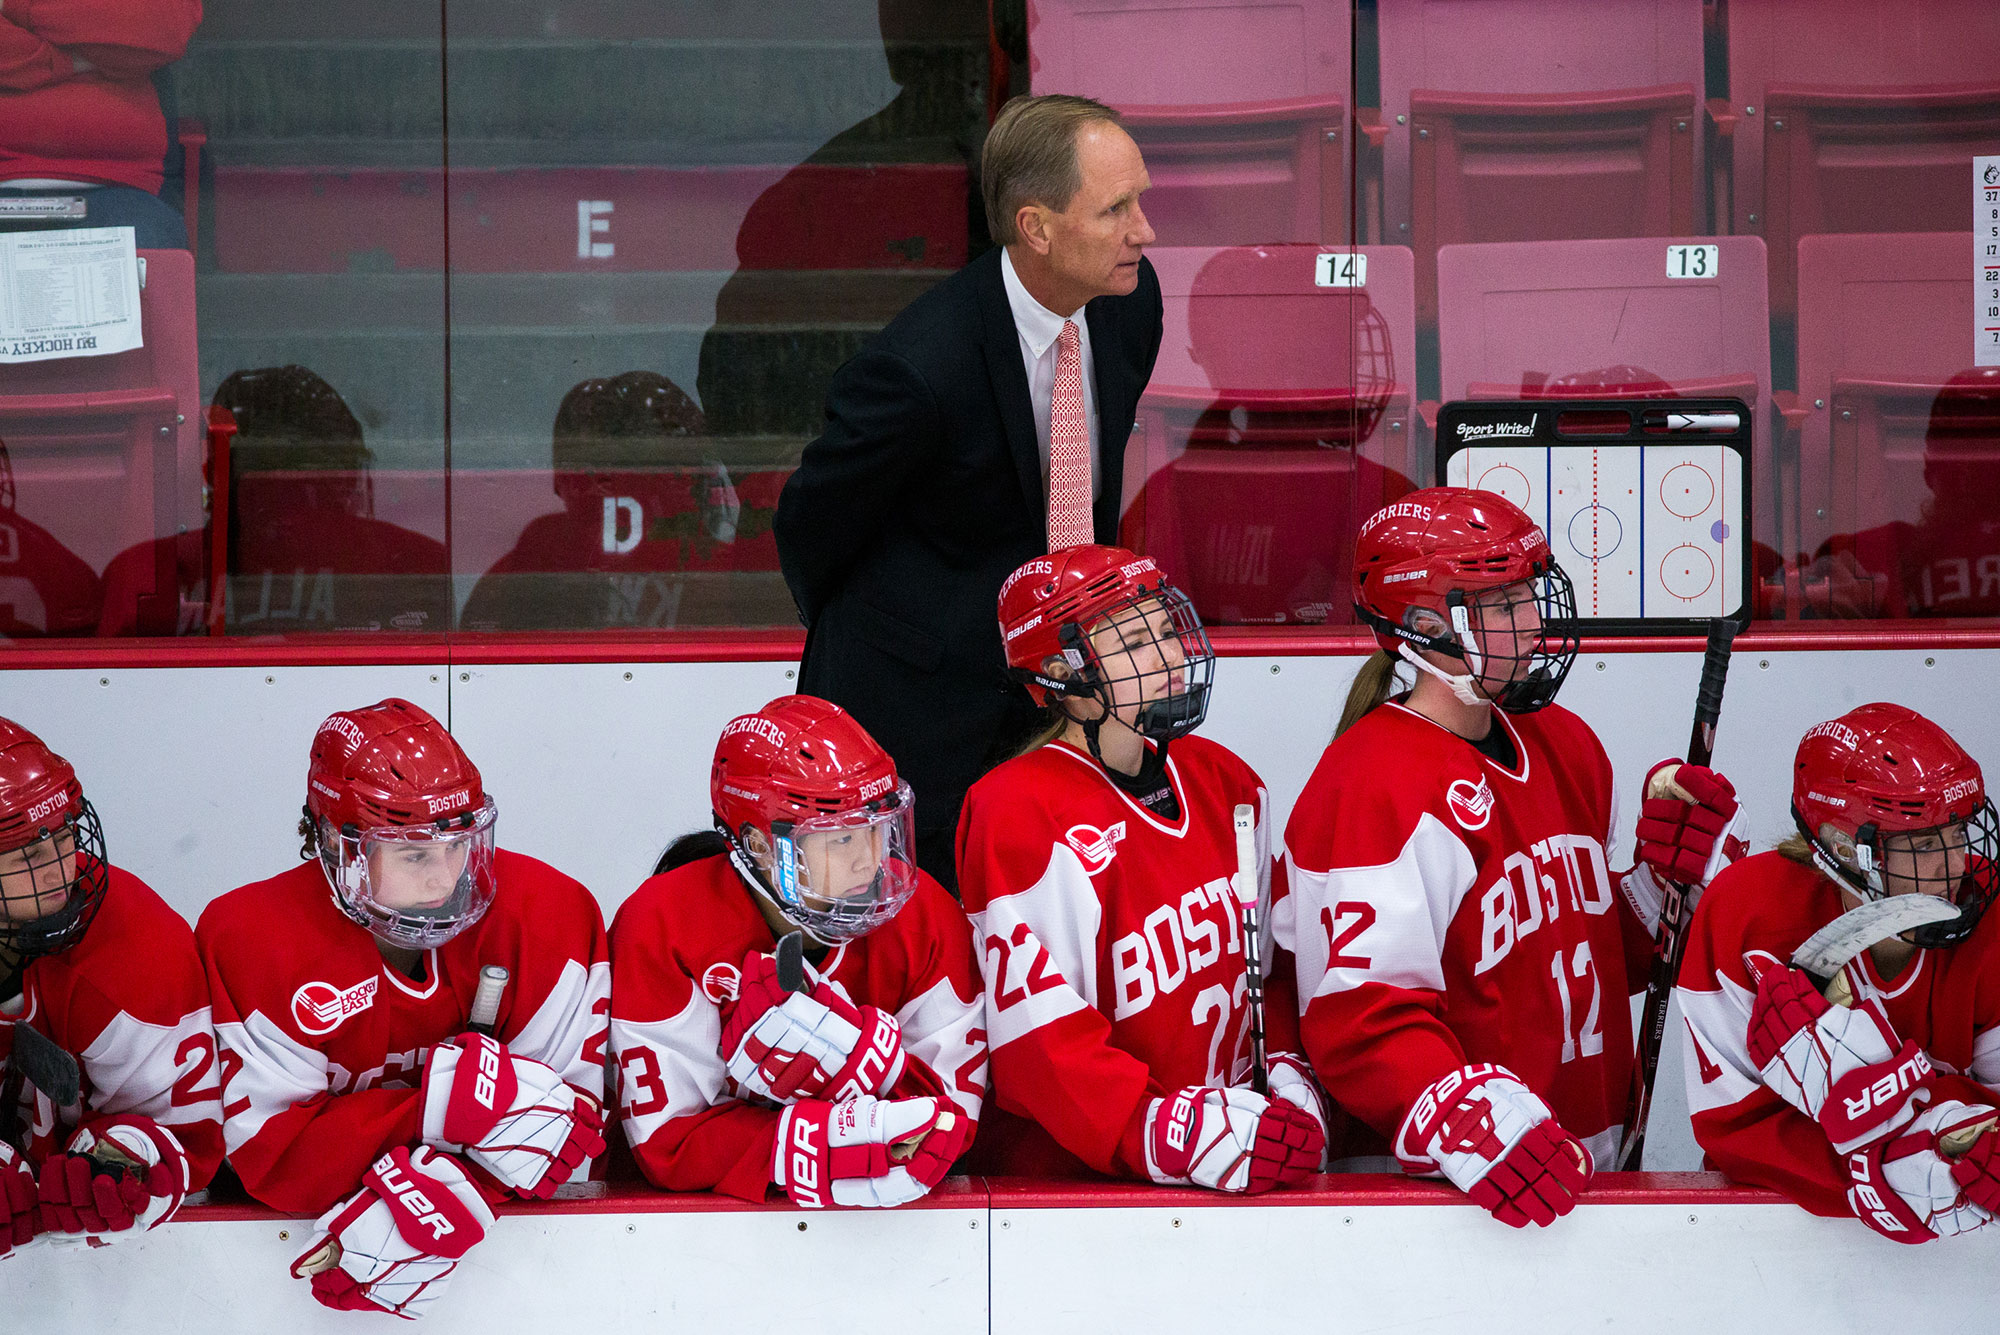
(76, 94)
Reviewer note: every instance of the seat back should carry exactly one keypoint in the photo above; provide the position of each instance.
(1582, 318)
(1277, 419)
(105, 452)
(1522, 120)
(1856, 116)
(1240, 109)
(1883, 323)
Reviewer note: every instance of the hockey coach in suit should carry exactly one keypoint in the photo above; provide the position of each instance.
(930, 483)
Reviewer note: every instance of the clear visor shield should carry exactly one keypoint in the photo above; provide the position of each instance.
(1152, 663)
(50, 889)
(842, 876)
(1958, 862)
(416, 886)
(1518, 641)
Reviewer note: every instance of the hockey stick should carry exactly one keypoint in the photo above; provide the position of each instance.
(791, 961)
(486, 1000)
(1253, 949)
(1671, 941)
(37, 1061)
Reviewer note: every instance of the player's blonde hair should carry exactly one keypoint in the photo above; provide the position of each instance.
(1795, 848)
(1374, 683)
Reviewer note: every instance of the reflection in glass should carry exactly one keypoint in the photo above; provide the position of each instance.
(1942, 557)
(45, 588)
(1268, 428)
(307, 549)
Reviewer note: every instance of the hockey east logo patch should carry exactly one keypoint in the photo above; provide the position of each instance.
(1094, 846)
(1470, 804)
(721, 982)
(321, 1008)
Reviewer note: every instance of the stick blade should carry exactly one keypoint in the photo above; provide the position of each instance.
(1827, 951)
(46, 1066)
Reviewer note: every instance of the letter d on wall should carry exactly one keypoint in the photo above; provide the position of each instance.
(634, 523)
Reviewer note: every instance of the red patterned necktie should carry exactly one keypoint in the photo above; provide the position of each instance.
(1069, 447)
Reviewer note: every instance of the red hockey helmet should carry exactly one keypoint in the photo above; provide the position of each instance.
(1475, 559)
(404, 825)
(53, 871)
(815, 816)
(1050, 606)
(1879, 788)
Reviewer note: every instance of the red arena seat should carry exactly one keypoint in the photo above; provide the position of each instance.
(105, 452)
(1884, 324)
(1854, 116)
(1240, 108)
(1537, 319)
(1531, 120)
(1278, 418)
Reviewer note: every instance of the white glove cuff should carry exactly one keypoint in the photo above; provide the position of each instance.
(439, 1073)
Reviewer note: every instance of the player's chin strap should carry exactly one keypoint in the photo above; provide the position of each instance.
(1464, 685)
(753, 878)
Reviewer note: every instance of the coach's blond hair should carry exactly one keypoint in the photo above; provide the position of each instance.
(1030, 157)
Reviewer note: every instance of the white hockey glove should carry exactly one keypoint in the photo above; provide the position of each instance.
(1292, 1081)
(393, 1245)
(1841, 1066)
(1907, 1188)
(866, 1151)
(513, 1116)
(1231, 1140)
(118, 1176)
(1498, 1143)
(815, 1044)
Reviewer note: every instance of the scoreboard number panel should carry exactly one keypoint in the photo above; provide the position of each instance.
(1986, 261)
(1646, 502)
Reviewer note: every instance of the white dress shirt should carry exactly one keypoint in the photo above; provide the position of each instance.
(1038, 328)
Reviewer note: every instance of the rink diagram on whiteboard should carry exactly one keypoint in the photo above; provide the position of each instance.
(1642, 530)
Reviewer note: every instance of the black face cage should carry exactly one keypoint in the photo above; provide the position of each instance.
(21, 941)
(1541, 674)
(1973, 892)
(1158, 720)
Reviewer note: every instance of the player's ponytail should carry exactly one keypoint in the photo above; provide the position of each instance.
(1374, 683)
(691, 847)
(1054, 719)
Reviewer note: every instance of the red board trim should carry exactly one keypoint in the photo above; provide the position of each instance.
(1355, 1190)
(783, 646)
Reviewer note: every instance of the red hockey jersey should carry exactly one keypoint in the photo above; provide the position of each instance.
(1945, 1001)
(324, 1044)
(678, 945)
(1113, 950)
(129, 1002)
(1446, 910)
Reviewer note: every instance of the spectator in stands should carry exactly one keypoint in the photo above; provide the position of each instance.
(929, 484)
(79, 117)
(1945, 562)
(639, 510)
(45, 588)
